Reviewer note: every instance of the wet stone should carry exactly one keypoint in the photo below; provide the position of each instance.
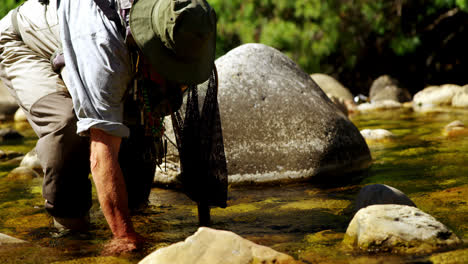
(216, 246)
(398, 229)
(381, 194)
(278, 124)
(455, 128)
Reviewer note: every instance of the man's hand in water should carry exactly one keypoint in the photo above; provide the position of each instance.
(120, 245)
(111, 191)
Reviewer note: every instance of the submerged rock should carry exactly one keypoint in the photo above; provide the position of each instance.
(398, 229)
(460, 99)
(455, 128)
(381, 194)
(8, 104)
(6, 239)
(377, 134)
(386, 88)
(216, 246)
(277, 122)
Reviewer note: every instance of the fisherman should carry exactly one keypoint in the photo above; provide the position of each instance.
(95, 79)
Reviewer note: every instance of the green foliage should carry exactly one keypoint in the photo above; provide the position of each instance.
(298, 28)
(7, 5)
(313, 31)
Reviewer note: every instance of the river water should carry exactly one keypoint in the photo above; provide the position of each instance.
(306, 220)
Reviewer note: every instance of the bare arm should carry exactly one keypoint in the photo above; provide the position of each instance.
(110, 186)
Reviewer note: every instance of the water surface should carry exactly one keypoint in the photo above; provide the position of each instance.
(305, 220)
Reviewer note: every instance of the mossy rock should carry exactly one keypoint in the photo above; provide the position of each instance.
(23, 173)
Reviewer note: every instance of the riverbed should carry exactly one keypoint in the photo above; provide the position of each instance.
(306, 220)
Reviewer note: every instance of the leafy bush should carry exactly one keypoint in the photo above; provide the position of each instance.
(7, 5)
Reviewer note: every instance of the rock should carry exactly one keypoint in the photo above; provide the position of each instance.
(379, 105)
(434, 96)
(331, 86)
(6, 239)
(9, 134)
(8, 104)
(348, 107)
(20, 116)
(377, 134)
(337, 93)
(32, 161)
(278, 124)
(381, 194)
(460, 99)
(8, 155)
(398, 229)
(22, 173)
(386, 88)
(216, 246)
(166, 174)
(455, 128)
(340, 104)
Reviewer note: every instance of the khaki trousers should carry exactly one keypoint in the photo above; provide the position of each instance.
(26, 70)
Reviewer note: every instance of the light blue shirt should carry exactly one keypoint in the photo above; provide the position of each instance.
(98, 65)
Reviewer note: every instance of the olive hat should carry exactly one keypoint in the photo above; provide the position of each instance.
(178, 37)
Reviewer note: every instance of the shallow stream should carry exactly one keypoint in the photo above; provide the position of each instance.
(305, 220)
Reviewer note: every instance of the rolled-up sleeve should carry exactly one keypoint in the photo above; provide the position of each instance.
(97, 64)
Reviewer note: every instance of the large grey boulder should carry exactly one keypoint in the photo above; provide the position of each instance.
(381, 194)
(277, 122)
(460, 98)
(387, 88)
(8, 104)
(398, 229)
(210, 246)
